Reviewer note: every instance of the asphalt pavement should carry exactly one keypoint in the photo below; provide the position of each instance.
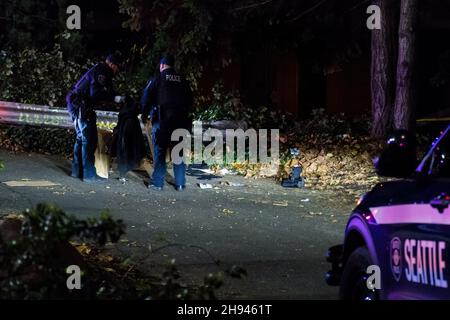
(278, 235)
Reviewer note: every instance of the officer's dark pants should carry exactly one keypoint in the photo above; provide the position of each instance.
(161, 144)
(83, 165)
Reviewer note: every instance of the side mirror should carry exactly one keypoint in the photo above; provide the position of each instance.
(398, 159)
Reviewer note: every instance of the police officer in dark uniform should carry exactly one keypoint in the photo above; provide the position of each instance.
(168, 100)
(93, 88)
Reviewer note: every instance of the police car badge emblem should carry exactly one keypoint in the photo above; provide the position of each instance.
(396, 258)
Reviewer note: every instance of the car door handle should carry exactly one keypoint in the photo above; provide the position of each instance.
(441, 202)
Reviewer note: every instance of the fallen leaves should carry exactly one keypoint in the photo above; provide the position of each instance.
(330, 158)
(105, 258)
(83, 249)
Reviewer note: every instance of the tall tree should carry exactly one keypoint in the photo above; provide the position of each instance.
(404, 101)
(383, 70)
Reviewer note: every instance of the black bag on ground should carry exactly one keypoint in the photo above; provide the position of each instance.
(128, 144)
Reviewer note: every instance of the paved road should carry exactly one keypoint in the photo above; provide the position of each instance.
(278, 235)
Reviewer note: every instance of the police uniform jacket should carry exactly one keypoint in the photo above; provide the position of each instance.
(93, 88)
(171, 94)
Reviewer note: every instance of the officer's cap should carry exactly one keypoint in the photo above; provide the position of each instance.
(115, 58)
(167, 59)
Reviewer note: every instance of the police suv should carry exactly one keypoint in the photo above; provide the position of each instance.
(400, 229)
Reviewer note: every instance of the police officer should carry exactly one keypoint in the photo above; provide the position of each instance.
(93, 88)
(168, 99)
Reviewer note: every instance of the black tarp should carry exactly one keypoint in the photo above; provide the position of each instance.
(128, 144)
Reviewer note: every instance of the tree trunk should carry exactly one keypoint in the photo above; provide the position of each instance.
(404, 101)
(383, 70)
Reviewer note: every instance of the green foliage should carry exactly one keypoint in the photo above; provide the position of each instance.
(72, 44)
(187, 43)
(2, 166)
(209, 32)
(33, 263)
(39, 77)
(171, 287)
(30, 264)
(131, 83)
(30, 24)
(333, 126)
(223, 105)
(21, 19)
(35, 76)
(219, 105)
(47, 140)
(46, 225)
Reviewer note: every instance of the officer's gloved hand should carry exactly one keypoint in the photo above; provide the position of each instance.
(119, 99)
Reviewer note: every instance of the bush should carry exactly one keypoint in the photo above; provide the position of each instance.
(38, 77)
(47, 140)
(35, 252)
(333, 126)
(223, 105)
(33, 263)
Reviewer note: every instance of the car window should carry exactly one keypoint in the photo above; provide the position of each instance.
(439, 163)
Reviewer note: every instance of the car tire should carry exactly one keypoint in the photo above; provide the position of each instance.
(354, 277)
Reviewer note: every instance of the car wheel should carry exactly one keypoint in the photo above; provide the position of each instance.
(354, 277)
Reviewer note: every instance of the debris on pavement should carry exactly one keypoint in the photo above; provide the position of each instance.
(226, 171)
(205, 186)
(227, 212)
(31, 183)
(280, 203)
(232, 184)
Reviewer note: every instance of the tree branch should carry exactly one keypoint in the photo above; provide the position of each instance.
(304, 13)
(253, 5)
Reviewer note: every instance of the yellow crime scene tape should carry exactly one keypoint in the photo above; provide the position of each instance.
(434, 119)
